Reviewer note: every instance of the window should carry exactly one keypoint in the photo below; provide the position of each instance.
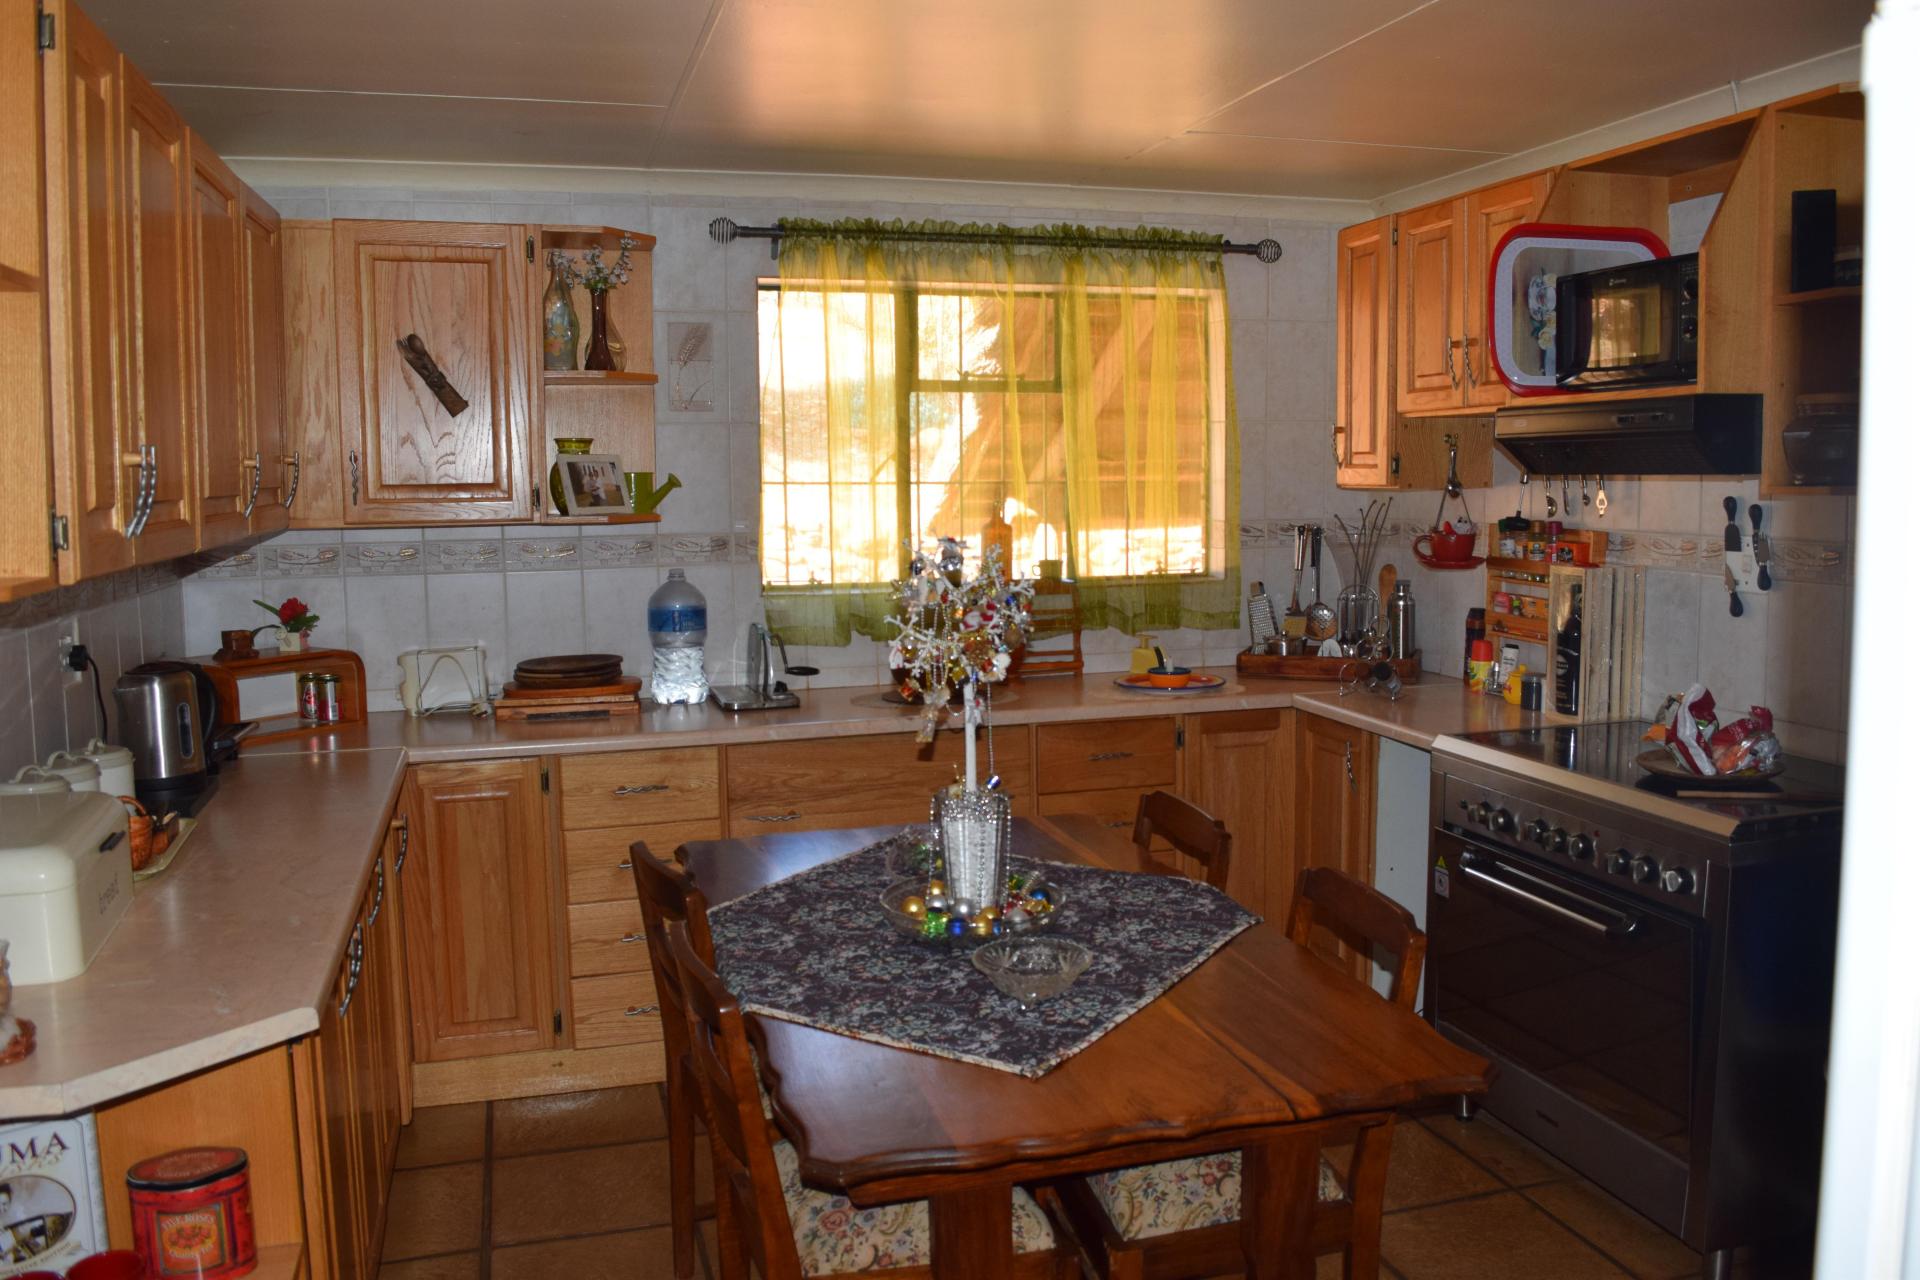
(1094, 419)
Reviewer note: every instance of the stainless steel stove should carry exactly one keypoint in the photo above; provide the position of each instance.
(1651, 972)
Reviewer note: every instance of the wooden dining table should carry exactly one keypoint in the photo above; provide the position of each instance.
(1256, 1049)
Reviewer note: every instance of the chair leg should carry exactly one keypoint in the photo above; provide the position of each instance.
(680, 1160)
(732, 1262)
(1368, 1190)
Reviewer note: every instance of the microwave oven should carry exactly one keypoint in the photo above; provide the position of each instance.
(1634, 325)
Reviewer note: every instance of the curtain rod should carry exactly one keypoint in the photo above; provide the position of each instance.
(726, 230)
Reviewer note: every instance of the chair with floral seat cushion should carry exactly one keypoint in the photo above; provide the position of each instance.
(1180, 1218)
(764, 1213)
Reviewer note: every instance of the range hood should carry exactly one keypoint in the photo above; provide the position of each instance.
(1683, 435)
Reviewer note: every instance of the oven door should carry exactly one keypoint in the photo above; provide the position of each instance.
(1588, 1002)
(1620, 327)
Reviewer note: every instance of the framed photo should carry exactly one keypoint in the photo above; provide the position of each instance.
(593, 484)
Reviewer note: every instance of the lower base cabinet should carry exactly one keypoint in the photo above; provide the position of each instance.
(1333, 810)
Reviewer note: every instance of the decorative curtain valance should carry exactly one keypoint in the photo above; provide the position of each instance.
(919, 380)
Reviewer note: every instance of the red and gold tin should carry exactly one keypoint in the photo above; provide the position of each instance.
(193, 1213)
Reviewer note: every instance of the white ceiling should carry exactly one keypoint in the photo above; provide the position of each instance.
(1344, 99)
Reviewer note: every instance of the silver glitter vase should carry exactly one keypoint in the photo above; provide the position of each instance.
(974, 829)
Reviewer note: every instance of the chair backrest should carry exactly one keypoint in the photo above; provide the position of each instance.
(1360, 915)
(743, 1165)
(668, 895)
(1189, 829)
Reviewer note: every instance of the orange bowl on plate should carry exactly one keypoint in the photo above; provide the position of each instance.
(1169, 677)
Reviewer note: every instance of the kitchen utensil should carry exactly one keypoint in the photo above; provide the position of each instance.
(1444, 545)
(1734, 606)
(1169, 677)
(1566, 496)
(1585, 500)
(1261, 625)
(1402, 642)
(1762, 549)
(1600, 499)
(1294, 625)
(169, 715)
(568, 666)
(1553, 508)
(1731, 540)
(1321, 621)
(1358, 612)
(451, 678)
(1657, 762)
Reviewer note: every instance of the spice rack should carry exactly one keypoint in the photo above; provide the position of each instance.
(227, 675)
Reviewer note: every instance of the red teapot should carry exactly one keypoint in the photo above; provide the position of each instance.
(1445, 545)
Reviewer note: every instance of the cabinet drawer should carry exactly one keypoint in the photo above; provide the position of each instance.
(617, 1008)
(1102, 755)
(854, 782)
(628, 788)
(606, 937)
(599, 868)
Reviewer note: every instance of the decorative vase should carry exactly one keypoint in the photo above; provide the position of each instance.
(556, 487)
(599, 355)
(562, 336)
(974, 829)
(293, 641)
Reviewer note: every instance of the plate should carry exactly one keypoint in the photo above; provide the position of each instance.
(1661, 765)
(165, 860)
(1471, 562)
(1199, 684)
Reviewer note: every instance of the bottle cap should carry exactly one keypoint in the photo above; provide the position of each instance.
(1482, 651)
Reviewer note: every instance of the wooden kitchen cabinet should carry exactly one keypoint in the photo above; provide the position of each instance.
(1429, 306)
(1333, 809)
(462, 288)
(480, 963)
(222, 450)
(860, 782)
(1366, 417)
(1237, 767)
(272, 468)
(1490, 213)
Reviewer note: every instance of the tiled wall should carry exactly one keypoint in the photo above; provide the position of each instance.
(526, 591)
(123, 619)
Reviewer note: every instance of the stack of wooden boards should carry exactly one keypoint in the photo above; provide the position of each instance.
(576, 686)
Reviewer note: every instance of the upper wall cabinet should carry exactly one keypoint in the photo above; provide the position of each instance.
(272, 466)
(223, 470)
(456, 293)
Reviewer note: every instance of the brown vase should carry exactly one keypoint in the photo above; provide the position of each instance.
(599, 356)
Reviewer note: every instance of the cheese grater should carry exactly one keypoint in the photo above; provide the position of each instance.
(1260, 619)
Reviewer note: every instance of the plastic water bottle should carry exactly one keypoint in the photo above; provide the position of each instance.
(677, 626)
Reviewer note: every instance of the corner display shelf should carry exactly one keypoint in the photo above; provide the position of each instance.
(226, 677)
(613, 407)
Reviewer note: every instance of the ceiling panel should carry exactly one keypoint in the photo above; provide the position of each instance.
(1509, 75)
(994, 86)
(364, 126)
(629, 51)
(1282, 166)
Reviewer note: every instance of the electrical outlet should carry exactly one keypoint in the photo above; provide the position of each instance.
(68, 674)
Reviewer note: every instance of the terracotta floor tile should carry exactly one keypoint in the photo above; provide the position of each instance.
(452, 1266)
(1498, 1237)
(560, 1122)
(1516, 1161)
(433, 1211)
(622, 1255)
(1422, 1169)
(1619, 1232)
(574, 1193)
(444, 1135)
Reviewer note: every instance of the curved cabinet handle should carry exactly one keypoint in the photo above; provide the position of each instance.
(356, 953)
(1352, 782)
(627, 938)
(353, 476)
(146, 461)
(379, 890)
(788, 816)
(1111, 755)
(641, 789)
(635, 1010)
(1453, 370)
(291, 462)
(253, 489)
(406, 838)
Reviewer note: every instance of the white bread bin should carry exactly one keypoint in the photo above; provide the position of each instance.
(65, 880)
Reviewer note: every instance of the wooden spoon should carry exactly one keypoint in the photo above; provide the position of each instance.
(1388, 576)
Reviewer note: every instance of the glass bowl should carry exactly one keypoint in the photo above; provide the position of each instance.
(912, 924)
(1032, 968)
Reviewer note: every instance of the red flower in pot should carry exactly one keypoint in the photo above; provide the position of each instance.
(292, 613)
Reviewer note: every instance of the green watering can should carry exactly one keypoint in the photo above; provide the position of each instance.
(642, 496)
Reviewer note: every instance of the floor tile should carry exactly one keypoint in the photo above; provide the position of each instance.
(622, 1255)
(1422, 1169)
(560, 1122)
(452, 1266)
(432, 1211)
(1509, 1156)
(1619, 1232)
(444, 1135)
(573, 1193)
(1497, 1237)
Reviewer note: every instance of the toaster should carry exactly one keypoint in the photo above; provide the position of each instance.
(65, 881)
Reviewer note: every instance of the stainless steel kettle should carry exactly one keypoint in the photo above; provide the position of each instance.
(167, 716)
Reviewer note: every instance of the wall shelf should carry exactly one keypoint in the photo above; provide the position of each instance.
(650, 517)
(1814, 297)
(595, 377)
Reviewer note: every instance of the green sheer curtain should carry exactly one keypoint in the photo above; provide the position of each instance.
(917, 388)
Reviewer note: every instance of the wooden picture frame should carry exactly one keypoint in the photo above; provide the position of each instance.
(593, 484)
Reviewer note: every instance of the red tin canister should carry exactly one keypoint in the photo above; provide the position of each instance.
(193, 1213)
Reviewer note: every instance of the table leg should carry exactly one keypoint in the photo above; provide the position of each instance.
(1279, 1186)
(972, 1233)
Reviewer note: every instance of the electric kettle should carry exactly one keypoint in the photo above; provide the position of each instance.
(169, 719)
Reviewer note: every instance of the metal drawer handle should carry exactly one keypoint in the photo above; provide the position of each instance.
(356, 952)
(625, 938)
(635, 1010)
(379, 890)
(292, 463)
(353, 475)
(641, 789)
(1352, 782)
(406, 838)
(1111, 755)
(253, 490)
(789, 816)
(626, 865)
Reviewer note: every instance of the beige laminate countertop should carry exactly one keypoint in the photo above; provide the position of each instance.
(234, 948)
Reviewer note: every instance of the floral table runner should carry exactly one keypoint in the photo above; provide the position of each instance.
(815, 949)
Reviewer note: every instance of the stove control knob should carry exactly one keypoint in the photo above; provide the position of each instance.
(1501, 821)
(1478, 813)
(1555, 841)
(1677, 880)
(1581, 846)
(1537, 831)
(1619, 862)
(1646, 869)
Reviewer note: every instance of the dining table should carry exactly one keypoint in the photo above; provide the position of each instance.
(1261, 1048)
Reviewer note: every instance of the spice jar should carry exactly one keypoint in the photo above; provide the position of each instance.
(193, 1213)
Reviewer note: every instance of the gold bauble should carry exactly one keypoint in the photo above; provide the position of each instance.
(914, 906)
(980, 927)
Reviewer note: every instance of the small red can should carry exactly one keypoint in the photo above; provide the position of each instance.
(193, 1213)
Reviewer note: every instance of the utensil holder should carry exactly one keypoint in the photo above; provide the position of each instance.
(974, 829)
(1358, 610)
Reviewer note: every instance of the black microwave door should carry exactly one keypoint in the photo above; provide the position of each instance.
(1573, 330)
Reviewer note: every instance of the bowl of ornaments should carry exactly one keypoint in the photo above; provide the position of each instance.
(922, 910)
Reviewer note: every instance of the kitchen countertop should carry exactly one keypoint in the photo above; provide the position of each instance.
(236, 946)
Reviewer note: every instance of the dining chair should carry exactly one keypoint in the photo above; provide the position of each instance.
(668, 895)
(764, 1214)
(1179, 1219)
(1189, 829)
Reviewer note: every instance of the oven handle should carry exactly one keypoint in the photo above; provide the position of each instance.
(1621, 925)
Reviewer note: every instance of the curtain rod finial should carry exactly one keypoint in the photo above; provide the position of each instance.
(723, 230)
(1268, 251)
